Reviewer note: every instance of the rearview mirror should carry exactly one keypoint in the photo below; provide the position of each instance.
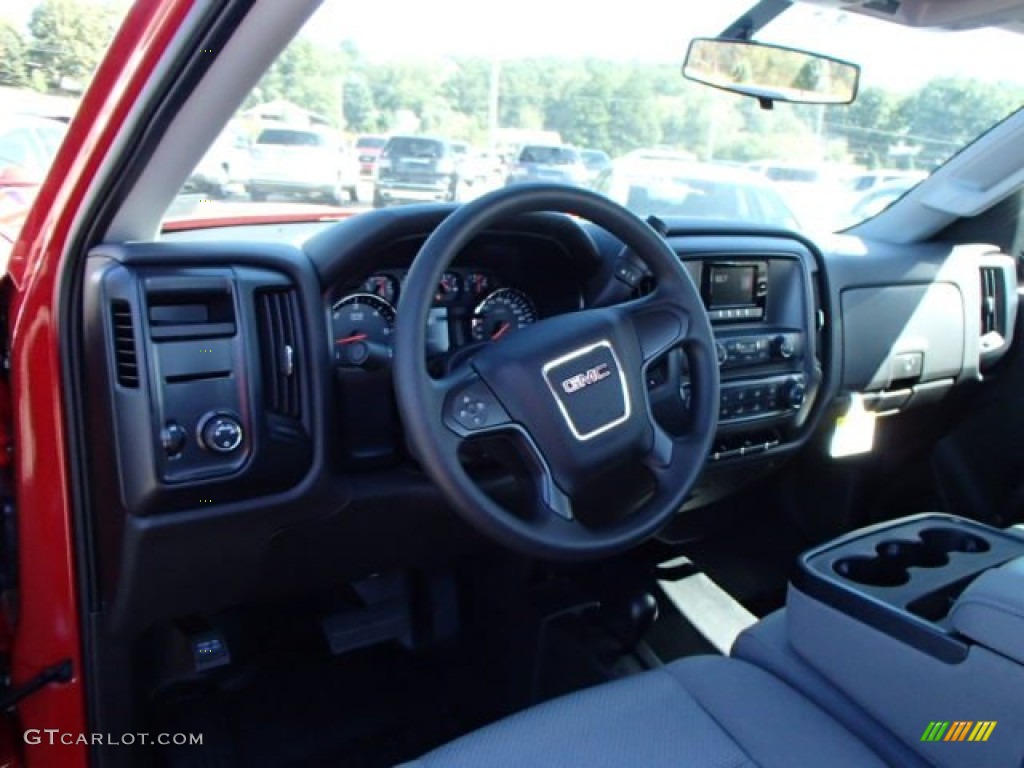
(771, 73)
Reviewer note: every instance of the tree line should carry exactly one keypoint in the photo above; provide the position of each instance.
(614, 106)
(621, 106)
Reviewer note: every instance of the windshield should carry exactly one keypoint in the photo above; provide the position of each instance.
(521, 98)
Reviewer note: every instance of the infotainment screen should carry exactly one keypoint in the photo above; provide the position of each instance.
(732, 285)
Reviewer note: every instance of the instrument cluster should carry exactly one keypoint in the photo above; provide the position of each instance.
(470, 306)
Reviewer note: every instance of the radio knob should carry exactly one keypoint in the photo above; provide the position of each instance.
(793, 394)
(784, 347)
(721, 353)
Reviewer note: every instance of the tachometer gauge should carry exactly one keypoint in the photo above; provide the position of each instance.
(361, 317)
(384, 286)
(503, 312)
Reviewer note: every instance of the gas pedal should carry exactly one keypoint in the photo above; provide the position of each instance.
(710, 609)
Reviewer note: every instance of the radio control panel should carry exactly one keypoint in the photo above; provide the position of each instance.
(761, 349)
(762, 311)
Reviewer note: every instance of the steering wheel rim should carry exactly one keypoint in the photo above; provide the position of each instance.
(523, 385)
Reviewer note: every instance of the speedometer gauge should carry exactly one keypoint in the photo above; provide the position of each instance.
(504, 311)
(361, 317)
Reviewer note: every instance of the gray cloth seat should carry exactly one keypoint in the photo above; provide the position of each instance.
(702, 712)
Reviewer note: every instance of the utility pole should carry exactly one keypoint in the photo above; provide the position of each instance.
(492, 106)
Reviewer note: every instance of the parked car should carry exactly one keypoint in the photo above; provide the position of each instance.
(27, 145)
(659, 154)
(875, 201)
(477, 166)
(540, 162)
(696, 191)
(416, 169)
(859, 183)
(814, 191)
(596, 161)
(225, 167)
(368, 148)
(302, 162)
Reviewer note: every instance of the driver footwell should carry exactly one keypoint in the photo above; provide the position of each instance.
(525, 633)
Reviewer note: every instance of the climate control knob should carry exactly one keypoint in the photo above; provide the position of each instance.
(783, 347)
(220, 433)
(793, 394)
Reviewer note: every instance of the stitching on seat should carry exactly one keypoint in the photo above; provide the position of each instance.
(749, 760)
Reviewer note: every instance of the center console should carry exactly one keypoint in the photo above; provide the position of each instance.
(917, 624)
(761, 310)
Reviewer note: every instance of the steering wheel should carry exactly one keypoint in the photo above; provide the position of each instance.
(571, 388)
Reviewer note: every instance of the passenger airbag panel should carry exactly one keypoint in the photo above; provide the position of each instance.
(886, 327)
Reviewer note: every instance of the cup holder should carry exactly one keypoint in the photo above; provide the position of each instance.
(908, 554)
(893, 559)
(873, 571)
(948, 540)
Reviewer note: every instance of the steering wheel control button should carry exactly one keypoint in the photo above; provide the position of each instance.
(474, 407)
(220, 433)
(589, 387)
(628, 273)
(172, 439)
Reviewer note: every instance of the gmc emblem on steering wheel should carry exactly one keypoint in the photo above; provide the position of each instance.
(585, 379)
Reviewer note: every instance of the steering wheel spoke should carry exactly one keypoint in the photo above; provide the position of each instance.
(551, 501)
(660, 325)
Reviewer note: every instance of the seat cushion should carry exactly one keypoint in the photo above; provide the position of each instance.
(700, 712)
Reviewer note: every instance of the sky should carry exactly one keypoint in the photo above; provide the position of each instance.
(892, 56)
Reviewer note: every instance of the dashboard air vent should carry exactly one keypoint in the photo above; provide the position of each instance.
(990, 300)
(126, 359)
(281, 343)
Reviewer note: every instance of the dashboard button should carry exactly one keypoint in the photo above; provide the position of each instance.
(220, 433)
(173, 438)
(722, 353)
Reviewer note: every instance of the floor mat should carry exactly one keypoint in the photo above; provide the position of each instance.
(708, 608)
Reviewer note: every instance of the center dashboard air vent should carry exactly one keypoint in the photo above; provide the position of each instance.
(281, 345)
(126, 360)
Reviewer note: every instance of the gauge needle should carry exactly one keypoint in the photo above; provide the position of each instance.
(501, 331)
(352, 339)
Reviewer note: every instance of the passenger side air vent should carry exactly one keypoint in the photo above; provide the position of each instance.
(991, 300)
(280, 327)
(126, 359)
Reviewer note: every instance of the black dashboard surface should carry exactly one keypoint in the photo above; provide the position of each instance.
(321, 488)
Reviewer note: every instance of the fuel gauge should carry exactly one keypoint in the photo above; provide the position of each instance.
(449, 289)
(478, 284)
(383, 286)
